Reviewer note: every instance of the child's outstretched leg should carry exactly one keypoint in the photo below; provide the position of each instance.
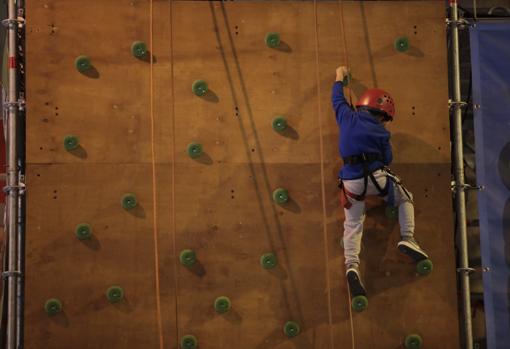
(408, 243)
(353, 231)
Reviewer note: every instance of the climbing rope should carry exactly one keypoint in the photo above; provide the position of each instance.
(346, 57)
(344, 37)
(350, 316)
(172, 106)
(154, 191)
(323, 188)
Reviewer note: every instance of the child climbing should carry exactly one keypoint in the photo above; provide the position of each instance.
(366, 151)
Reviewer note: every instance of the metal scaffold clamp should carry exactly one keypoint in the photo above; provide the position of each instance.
(21, 188)
(10, 273)
(20, 104)
(461, 23)
(458, 187)
(456, 104)
(469, 271)
(12, 22)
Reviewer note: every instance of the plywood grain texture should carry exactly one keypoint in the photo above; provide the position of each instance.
(130, 115)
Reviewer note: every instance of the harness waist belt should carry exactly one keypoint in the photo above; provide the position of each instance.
(365, 158)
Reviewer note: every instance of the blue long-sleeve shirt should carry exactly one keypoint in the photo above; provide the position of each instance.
(360, 132)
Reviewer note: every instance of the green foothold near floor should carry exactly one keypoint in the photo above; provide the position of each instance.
(391, 212)
(139, 49)
(199, 87)
(114, 294)
(222, 305)
(291, 329)
(281, 196)
(401, 44)
(129, 201)
(413, 341)
(188, 258)
(359, 303)
(424, 267)
(189, 342)
(82, 63)
(83, 231)
(279, 124)
(195, 150)
(268, 261)
(272, 40)
(71, 142)
(52, 306)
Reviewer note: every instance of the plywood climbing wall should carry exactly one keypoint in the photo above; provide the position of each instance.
(135, 118)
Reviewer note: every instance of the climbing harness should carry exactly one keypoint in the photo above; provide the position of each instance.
(366, 159)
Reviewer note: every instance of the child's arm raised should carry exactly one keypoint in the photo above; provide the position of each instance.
(340, 106)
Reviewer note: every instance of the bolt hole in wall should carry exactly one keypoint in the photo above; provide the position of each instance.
(415, 30)
(414, 110)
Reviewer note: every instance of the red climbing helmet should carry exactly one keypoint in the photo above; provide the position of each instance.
(378, 100)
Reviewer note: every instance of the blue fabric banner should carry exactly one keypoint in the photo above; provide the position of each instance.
(490, 61)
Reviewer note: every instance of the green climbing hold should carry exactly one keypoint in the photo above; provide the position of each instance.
(71, 142)
(194, 150)
(281, 196)
(391, 212)
(53, 306)
(189, 342)
(268, 261)
(279, 124)
(347, 79)
(139, 49)
(413, 341)
(272, 40)
(188, 258)
(129, 201)
(359, 303)
(291, 329)
(222, 305)
(114, 294)
(401, 44)
(199, 87)
(82, 63)
(83, 231)
(424, 267)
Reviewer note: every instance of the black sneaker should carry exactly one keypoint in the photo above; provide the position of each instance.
(410, 247)
(354, 279)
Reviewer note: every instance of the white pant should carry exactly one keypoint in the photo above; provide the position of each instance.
(355, 215)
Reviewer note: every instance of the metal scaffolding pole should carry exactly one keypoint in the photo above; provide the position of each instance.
(460, 184)
(12, 181)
